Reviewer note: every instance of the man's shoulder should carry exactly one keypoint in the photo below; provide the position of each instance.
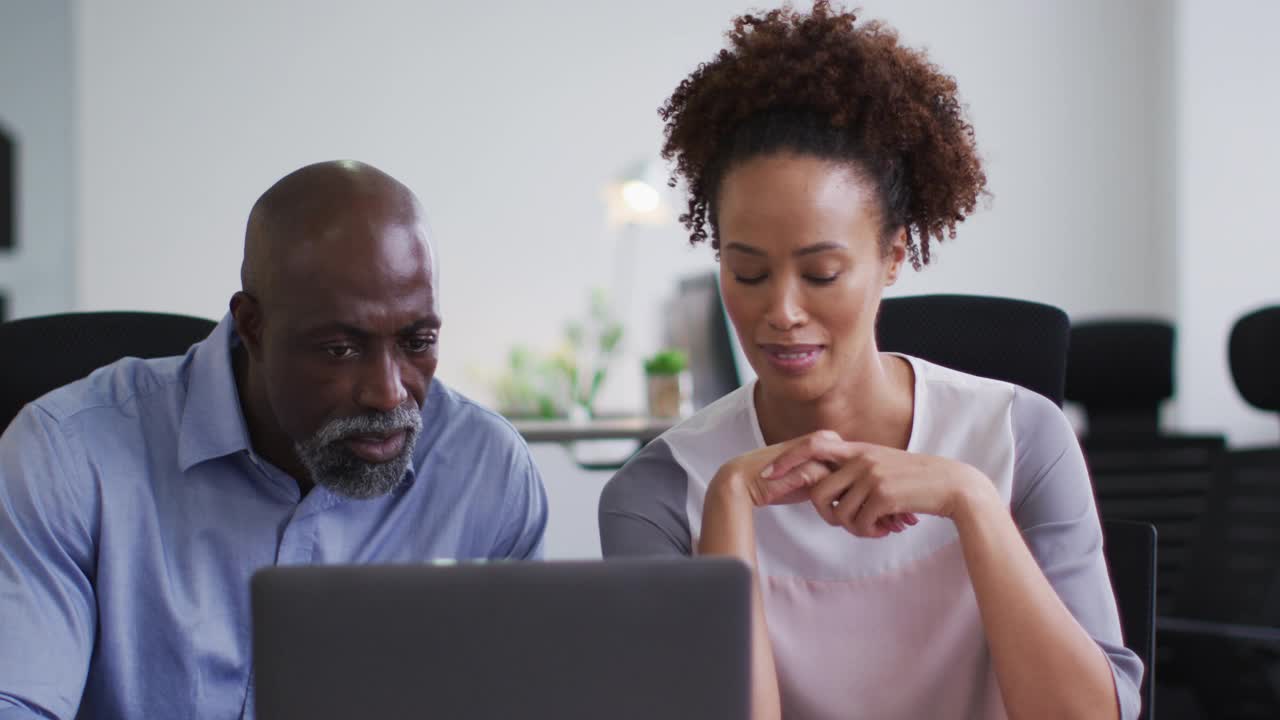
(120, 418)
(462, 423)
(121, 392)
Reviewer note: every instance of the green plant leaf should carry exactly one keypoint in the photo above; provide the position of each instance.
(610, 338)
(666, 362)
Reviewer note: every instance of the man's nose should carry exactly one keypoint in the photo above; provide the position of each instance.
(381, 385)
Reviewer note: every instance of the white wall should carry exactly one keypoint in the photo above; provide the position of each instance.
(1061, 98)
(508, 118)
(36, 105)
(573, 494)
(1228, 161)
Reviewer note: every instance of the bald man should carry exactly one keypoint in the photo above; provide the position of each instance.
(135, 504)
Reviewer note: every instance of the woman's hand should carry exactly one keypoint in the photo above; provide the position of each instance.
(873, 490)
(743, 476)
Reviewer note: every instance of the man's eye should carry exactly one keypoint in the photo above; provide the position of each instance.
(420, 343)
(340, 352)
(750, 279)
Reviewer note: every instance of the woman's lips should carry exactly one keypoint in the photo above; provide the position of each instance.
(376, 448)
(792, 359)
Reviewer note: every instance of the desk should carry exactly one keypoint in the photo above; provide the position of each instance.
(604, 443)
(640, 429)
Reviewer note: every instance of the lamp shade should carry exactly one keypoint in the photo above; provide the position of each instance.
(638, 195)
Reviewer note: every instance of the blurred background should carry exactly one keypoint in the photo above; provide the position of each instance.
(1131, 149)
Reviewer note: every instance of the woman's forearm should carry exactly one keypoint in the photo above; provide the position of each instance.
(729, 529)
(1046, 664)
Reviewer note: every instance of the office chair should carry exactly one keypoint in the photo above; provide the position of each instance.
(1167, 486)
(1226, 635)
(1120, 371)
(1239, 566)
(1017, 341)
(1224, 642)
(1254, 351)
(43, 353)
(1130, 548)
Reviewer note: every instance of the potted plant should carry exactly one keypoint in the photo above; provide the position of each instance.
(667, 383)
(589, 349)
(567, 382)
(529, 388)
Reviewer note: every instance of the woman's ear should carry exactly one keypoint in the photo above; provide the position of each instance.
(896, 256)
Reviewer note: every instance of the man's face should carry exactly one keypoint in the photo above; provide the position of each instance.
(348, 349)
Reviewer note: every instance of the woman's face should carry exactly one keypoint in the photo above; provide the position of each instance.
(802, 270)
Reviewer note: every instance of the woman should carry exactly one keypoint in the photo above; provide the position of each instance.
(925, 542)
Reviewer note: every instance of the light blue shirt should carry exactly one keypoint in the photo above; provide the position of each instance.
(133, 512)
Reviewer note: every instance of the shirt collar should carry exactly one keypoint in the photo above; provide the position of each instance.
(213, 423)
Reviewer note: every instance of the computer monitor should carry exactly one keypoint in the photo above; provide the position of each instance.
(698, 325)
(621, 639)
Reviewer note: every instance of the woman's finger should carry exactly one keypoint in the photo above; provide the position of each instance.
(828, 495)
(791, 486)
(847, 506)
(823, 446)
(865, 522)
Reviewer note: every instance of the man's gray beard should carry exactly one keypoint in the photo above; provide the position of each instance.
(332, 464)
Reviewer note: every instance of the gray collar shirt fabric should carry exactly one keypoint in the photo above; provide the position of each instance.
(133, 511)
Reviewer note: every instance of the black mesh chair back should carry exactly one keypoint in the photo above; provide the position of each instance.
(1225, 642)
(1017, 341)
(1236, 577)
(1120, 371)
(1162, 481)
(1254, 354)
(44, 353)
(1131, 558)
(1221, 647)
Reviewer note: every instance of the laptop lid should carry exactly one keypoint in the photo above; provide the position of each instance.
(631, 638)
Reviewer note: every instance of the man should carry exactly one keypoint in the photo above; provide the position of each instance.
(136, 504)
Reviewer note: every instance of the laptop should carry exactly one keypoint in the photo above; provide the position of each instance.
(622, 639)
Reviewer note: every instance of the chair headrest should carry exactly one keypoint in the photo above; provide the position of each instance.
(53, 350)
(1254, 355)
(1120, 364)
(1016, 341)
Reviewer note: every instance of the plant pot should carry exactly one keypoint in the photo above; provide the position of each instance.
(669, 395)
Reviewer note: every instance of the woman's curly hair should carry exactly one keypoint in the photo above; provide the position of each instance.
(819, 84)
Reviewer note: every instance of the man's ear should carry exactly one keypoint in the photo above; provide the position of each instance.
(896, 256)
(246, 311)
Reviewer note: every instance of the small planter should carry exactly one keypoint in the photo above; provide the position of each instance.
(669, 395)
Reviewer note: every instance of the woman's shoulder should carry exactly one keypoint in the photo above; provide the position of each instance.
(692, 450)
(1032, 416)
(724, 429)
(726, 413)
(932, 376)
